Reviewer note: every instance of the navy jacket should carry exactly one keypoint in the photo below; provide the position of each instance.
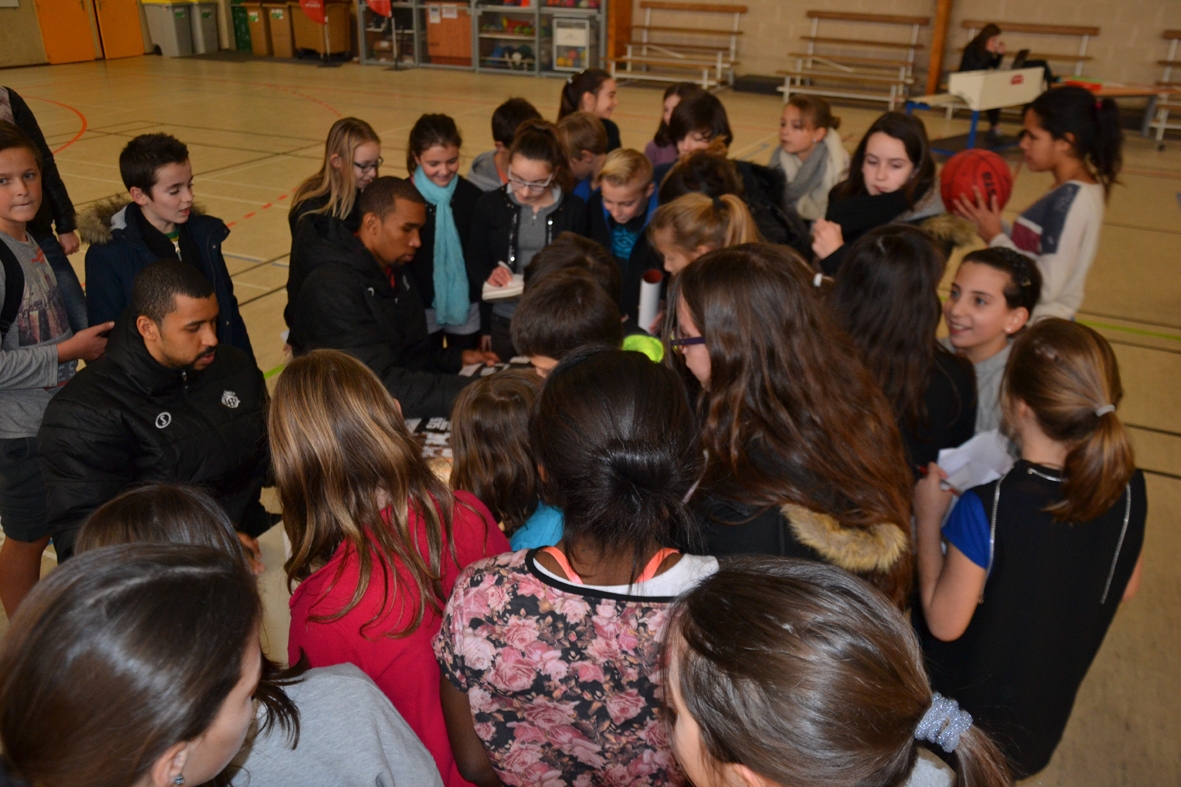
(118, 252)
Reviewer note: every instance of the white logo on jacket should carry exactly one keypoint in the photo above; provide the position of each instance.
(230, 399)
(163, 420)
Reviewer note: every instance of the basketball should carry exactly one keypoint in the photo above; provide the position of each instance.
(975, 168)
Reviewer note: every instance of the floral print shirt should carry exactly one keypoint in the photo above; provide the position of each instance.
(563, 680)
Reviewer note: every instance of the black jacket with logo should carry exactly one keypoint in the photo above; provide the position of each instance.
(125, 419)
(347, 302)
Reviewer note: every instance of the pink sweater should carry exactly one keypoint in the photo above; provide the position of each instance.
(403, 668)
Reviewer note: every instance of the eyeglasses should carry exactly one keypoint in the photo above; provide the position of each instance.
(532, 187)
(373, 165)
(687, 341)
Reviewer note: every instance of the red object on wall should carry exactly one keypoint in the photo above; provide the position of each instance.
(380, 7)
(314, 10)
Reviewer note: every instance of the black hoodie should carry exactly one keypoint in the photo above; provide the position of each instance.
(345, 301)
(126, 419)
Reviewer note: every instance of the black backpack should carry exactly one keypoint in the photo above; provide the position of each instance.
(14, 289)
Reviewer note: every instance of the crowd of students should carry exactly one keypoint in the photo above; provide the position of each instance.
(665, 552)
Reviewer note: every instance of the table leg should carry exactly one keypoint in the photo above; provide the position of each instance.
(972, 128)
(1149, 114)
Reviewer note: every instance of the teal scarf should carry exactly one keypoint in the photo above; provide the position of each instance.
(451, 290)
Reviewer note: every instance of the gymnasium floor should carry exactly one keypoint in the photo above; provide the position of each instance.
(255, 130)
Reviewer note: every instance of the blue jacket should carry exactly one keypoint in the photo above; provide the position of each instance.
(118, 252)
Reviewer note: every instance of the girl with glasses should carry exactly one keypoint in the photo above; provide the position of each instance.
(514, 222)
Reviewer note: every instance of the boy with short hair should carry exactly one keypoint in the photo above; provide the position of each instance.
(560, 313)
(584, 138)
(490, 170)
(158, 222)
(38, 355)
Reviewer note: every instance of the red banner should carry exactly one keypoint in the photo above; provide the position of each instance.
(380, 7)
(314, 10)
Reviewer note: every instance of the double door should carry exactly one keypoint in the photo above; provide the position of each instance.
(67, 34)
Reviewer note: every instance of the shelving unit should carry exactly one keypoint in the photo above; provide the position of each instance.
(525, 39)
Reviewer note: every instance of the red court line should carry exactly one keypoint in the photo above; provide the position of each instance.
(81, 117)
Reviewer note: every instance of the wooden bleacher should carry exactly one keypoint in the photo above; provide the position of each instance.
(1083, 34)
(1164, 103)
(659, 52)
(882, 69)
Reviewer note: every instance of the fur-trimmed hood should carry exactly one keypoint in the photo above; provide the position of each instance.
(98, 223)
(949, 229)
(857, 550)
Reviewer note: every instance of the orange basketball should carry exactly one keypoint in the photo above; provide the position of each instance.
(979, 169)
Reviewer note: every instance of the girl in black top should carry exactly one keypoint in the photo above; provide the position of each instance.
(439, 267)
(1037, 562)
(984, 53)
(804, 459)
(592, 90)
(886, 298)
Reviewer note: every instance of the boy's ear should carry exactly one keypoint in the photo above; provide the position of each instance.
(500, 147)
(648, 192)
(139, 196)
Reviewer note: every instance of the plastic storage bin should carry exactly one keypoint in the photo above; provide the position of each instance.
(309, 35)
(260, 31)
(241, 27)
(169, 27)
(279, 21)
(204, 19)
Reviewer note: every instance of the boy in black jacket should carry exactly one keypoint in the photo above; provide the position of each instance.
(360, 298)
(159, 222)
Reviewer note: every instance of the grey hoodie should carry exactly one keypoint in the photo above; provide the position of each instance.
(483, 172)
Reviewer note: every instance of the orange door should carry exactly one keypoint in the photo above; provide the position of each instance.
(65, 30)
(118, 24)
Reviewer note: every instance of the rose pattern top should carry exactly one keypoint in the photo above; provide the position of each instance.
(563, 681)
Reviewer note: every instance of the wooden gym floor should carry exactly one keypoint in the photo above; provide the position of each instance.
(256, 129)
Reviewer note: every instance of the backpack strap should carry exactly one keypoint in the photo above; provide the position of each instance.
(14, 289)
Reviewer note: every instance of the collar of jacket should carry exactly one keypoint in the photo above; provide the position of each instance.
(126, 349)
(112, 218)
(855, 549)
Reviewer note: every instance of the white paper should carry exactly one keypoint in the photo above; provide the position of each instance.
(434, 16)
(510, 290)
(982, 459)
(649, 303)
(450, 12)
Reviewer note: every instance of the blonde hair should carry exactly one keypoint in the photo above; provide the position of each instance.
(1067, 374)
(697, 220)
(341, 450)
(581, 131)
(625, 166)
(345, 136)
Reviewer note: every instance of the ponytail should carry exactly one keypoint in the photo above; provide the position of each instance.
(978, 761)
(538, 140)
(1068, 375)
(1093, 126)
(697, 220)
(589, 81)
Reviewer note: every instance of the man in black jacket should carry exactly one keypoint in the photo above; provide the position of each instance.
(166, 403)
(358, 297)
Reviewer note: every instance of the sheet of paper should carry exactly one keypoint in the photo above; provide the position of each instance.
(511, 290)
(982, 459)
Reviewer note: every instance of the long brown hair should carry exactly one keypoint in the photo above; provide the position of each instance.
(1066, 372)
(338, 183)
(790, 416)
(340, 446)
(118, 655)
(490, 443)
(806, 675)
(886, 298)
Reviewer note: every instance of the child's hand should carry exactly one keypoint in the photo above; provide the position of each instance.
(826, 237)
(930, 499)
(501, 276)
(477, 356)
(69, 242)
(87, 345)
(985, 214)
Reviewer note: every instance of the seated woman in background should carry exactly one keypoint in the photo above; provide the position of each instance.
(297, 735)
(886, 298)
(891, 180)
(804, 457)
(550, 657)
(786, 672)
(377, 541)
(985, 53)
(131, 665)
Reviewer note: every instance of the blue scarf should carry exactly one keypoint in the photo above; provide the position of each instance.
(451, 290)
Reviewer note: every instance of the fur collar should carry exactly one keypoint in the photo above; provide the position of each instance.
(857, 550)
(98, 222)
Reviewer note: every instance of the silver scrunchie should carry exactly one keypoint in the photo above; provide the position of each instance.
(943, 723)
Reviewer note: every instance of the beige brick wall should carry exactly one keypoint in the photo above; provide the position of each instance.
(1126, 50)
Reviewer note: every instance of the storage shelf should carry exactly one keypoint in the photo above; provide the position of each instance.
(508, 36)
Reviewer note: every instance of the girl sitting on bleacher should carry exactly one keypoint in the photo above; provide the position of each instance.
(891, 179)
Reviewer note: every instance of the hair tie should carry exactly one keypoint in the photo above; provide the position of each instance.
(570, 80)
(943, 723)
(1104, 410)
(818, 279)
